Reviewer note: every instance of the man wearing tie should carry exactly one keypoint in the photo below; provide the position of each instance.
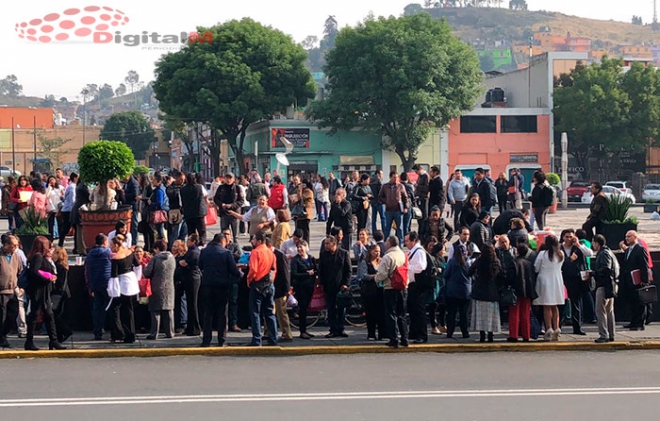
(636, 258)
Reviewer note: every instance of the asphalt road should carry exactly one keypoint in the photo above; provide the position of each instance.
(504, 386)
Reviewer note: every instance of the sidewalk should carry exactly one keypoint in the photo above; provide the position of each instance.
(82, 345)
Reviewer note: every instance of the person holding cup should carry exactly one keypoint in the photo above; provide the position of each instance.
(577, 278)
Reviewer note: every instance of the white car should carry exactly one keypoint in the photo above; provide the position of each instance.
(651, 192)
(621, 185)
(609, 191)
(6, 172)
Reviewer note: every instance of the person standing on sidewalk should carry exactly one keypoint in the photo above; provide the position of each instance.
(635, 259)
(236, 252)
(457, 194)
(393, 266)
(335, 276)
(160, 271)
(97, 274)
(606, 271)
(228, 197)
(131, 192)
(363, 196)
(521, 278)
(195, 208)
(575, 263)
(282, 289)
(10, 267)
(422, 190)
(378, 209)
(341, 215)
(218, 272)
(304, 272)
(176, 228)
(263, 270)
(393, 196)
(418, 293)
(436, 189)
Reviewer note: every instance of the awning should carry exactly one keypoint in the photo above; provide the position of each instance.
(356, 160)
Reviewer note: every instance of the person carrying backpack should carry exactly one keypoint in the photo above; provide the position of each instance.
(421, 283)
(393, 276)
(542, 198)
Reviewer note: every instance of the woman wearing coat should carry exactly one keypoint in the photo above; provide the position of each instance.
(363, 195)
(458, 288)
(485, 293)
(522, 278)
(192, 279)
(160, 271)
(42, 276)
(304, 270)
(470, 211)
(302, 222)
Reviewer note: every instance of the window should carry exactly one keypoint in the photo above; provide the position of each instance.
(519, 124)
(479, 124)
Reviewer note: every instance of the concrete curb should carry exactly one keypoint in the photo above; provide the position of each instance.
(243, 351)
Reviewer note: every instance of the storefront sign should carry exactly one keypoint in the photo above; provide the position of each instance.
(533, 158)
(299, 137)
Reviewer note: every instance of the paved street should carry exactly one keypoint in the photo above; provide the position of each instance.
(535, 386)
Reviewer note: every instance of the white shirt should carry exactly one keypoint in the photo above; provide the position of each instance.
(127, 238)
(473, 249)
(416, 262)
(289, 248)
(55, 196)
(270, 215)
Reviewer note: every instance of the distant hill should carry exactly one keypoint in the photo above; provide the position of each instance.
(498, 23)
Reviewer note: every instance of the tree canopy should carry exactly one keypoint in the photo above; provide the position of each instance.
(103, 160)
(132, 128)
(246, 74)
(399, 77)
(606, 111)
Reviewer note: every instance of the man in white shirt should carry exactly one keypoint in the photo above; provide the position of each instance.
(418, 294)
(120, 228)
(290, 246)
(464, 240)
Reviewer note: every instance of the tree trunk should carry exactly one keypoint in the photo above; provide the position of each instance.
(408, 161)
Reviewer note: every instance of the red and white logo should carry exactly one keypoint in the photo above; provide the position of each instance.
(71, 24)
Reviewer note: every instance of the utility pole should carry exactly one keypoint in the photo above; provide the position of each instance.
(34, 127)
(13, 148)
(654, 26)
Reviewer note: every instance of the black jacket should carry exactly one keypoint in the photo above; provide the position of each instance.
(334, 270)
(445, 230)
(537, 196)
(341, 215)
(480, 234)
(634, 259)
(570, 270)
(39, 288)
(194, 204)
(131, 192)
(484, 191)
(468, 216)
(502, 223)
(485, 286)
(228, 195)
(605, 272)
(299, 268)
(523, 278)
(173, 192)
(82, 198)
(375, 185)
(218, 266)
(192, 271)
(437, 193)
(283, 274)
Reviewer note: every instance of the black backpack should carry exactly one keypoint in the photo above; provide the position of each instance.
(548, 195)
(428, 278)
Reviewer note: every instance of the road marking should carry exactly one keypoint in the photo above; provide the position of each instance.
(150, 400)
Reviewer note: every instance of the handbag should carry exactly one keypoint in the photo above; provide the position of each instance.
(508, 296)
(298, 211)
(145, 287)
(417, 212)
(317, 303)
(263, 285)
(344, 299)
(648, 294)
(174, 216)
(113, 289)
(211, 217)
(512, 189)
(157, 217)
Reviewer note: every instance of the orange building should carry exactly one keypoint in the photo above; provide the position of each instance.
(26, 117)
(500, 139)
(567, 43)
(636, 51)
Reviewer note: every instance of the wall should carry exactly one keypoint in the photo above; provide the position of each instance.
(24, 117)
(495, 149)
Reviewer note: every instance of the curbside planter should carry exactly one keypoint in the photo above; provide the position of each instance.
(95, 222)
(615, 233)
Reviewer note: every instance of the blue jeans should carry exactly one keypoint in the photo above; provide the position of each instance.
(376, 210)
(176, 232)
(407, 222)
(262, 305)
(99, 303)
(394, 216)
(336, 315)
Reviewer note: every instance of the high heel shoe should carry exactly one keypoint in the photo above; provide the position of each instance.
(55, 345)
(30, 346)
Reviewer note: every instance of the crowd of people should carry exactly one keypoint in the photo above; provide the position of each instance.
(190, 285)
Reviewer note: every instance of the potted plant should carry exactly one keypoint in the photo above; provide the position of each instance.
(650, 206)
(33, 226)
(554, 181)
(617, 222)
(99, 162)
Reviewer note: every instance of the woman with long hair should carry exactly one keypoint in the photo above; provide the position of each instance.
(21, 200)
(62, 292)
(307, 202)
(470, 211)
(362, 244)
(522, 278)
(54, 197)
(41, 278)
(485, 293)
(121, 308)
(502, 187)
(550, 285)
(372, 294)
(438, 304)
(458, 289)
(160, 272)
(304, 271)
(282, 231)
(38, 200)
(363, 195)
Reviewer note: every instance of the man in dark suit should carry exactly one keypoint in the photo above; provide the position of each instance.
(635, 258)
(436, 189)
(334, 275)
(483, 188)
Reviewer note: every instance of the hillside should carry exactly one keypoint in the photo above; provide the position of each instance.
(494, 23)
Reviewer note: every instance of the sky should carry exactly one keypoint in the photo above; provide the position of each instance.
(62, 68)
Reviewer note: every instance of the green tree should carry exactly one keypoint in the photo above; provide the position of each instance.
(121, 90)
(10, 87)
(246, 74)
(399, 77)
(106, 92)
(132, 128)
(412, 9)
(518, 5)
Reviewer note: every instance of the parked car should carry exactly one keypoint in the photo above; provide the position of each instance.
(621, 185)
(6, 172)
(651, 193)
(609, 191)
(576, 189)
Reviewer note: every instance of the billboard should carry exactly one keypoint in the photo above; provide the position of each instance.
(299, 137)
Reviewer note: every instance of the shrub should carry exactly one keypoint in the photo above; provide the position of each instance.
(103, 160)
